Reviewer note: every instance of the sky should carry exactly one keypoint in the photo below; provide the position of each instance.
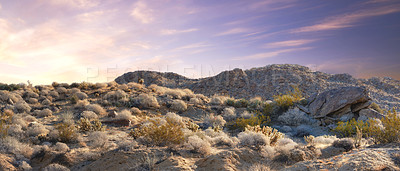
(97, 40)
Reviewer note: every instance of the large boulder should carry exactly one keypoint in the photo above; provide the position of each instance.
(338, 102)
(365, 114)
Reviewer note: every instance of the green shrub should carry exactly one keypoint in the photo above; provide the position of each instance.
(230, 102)
(391, 131)
(160, 133)
(287, 100)
(242, 123)
(85, 124)
(74, 99)
(241, 103)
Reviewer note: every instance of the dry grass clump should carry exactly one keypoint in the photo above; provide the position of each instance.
(178, 105)
(198, 145)
(54, 94)
(101, 85)
(146, 101)
(90, 115)
(229, 113)
(30, 94)
(136, 111)
(195, 101)
(97, 139)
(81, 104)
(123, 87)
(160, 131)
(13, 146)
(175, 93)
(62, 90)
(46, 102)
(218, 100)
(219, 138)
(212, 120)
(81, 95)
(37, 129)
(346, 143)
(32, 101)
(135, 86)
(96, 108)
(295, 117)
(125, 114)
(251, 136)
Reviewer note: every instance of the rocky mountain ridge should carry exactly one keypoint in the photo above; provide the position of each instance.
(271, 80)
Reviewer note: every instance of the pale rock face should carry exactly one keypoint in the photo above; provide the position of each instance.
(364, 114)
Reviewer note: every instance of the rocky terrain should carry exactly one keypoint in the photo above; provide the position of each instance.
(271, 80)
(163, 121)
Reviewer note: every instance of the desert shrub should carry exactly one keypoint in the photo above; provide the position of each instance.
(37, 129)
(54, 94)
(101, 85)
(229, 113)
(74, 90)
(391, 128)
(136, 86)
(123, 87)
(90, 115)
(175, 93)
(97, 139)
(178, 105)
(30, 94)
(241, 103)
(146, 101)
(230, 102)
(66, 132)
(67, 117)
(23, 165)
(9, 98)
(325, 139)
(272, 134)
(219, 138)
(309, 140)
(195, 101)
(370, 128)
(46, 101)
(55, 167)
(62, 90)
(346, 143)
(9, 87)
(218, 100)
(12, 130)
(96, 108)
(249, 138)
(61, 147)
(246, 114)
(81, 95)
(45, 113)
(74, 99)
(136, 111)
(85, 85)
(160, 131)
(84, 125)
(242, 123)
(214, 120)
(198, 145)
(13, 146)
(255, 104)
(125, 114)
(284, 101)
(295, 117)
(32, 101)
(21, 107)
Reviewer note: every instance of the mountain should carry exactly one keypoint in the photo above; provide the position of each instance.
(269, 81)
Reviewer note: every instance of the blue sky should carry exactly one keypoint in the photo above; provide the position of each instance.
(94, 40)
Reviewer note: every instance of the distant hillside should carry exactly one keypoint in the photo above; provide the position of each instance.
(269, 81)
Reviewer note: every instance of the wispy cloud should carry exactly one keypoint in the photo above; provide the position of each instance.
(142, 12)
(89, 16)
(233, 31)
(348, 20)
(288, 43)
(173, 31)
(192, 46)
(74, 3)
(270, 54)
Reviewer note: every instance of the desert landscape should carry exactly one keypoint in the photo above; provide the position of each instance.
(199, 85)
(161, 121)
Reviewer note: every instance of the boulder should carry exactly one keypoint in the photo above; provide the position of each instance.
(337, 101)
(365, 114)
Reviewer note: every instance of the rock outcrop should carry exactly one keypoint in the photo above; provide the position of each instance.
(271, 80)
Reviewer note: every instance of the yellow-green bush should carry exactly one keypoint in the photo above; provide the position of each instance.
(5, 119)
(85, 124)
(242, 123)
(284, 101)
(377, 108)
(388, 132)
(160, 132)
